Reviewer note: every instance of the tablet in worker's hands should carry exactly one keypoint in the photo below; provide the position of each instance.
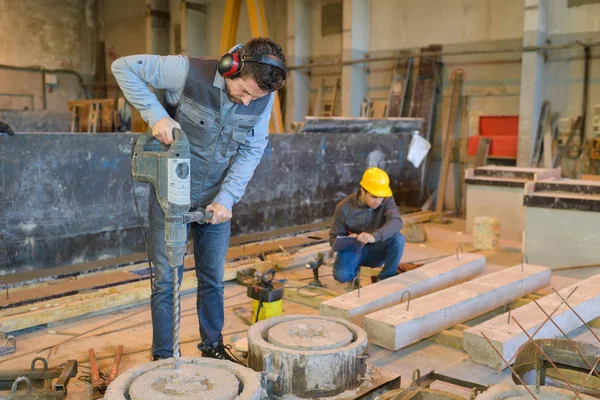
(346, 243)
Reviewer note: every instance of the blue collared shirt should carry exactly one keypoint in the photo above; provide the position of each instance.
(135, 73)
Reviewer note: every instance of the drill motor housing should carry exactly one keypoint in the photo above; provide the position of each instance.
(167, 169)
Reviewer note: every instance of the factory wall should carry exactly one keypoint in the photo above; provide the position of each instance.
(61, 35)
(52, 35)
(68, 198)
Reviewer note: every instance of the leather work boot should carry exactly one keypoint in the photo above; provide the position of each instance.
(220, 352)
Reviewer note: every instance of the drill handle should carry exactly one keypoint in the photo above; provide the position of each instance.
(149, 139)
(200, 216)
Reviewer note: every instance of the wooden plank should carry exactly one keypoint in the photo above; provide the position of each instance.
(71, 286)
(38, 292)
(74, 268)
(539, 138)
(75, 306)
(259, 248)
(231, 269)
(548, 144)
(296, 229)
(301, 257)
(309, 296)
(424, 101)
(483, 149)
(127, 295)
(448, 141)
(399, 85)
(419, 216)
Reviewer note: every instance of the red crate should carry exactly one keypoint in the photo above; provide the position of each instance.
(499, 125)
(501, 146)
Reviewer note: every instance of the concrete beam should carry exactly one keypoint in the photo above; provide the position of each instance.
(429, 278)
(508, 337)
(355, 45)
(394, 328)
(298, 53)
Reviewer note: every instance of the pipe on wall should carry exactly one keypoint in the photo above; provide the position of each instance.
(43, 71)
(523, 49)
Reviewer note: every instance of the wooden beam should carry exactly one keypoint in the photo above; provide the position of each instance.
(300, 293)
(448, 142)
(229, 28)
(258, 27)
(129, 295)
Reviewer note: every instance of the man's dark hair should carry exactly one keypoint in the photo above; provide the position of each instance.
(267, 77)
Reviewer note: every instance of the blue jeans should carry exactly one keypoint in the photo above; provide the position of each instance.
(386, 252)
(211, 243)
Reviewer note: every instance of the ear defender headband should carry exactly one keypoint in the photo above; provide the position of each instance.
(232, 63)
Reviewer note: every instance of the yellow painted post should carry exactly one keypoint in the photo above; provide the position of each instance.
(258, 27)
(230, 25)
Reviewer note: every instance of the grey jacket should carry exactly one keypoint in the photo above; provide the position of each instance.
(227, 140)
(350, 216)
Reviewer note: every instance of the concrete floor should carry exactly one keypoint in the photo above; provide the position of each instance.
(132, 327)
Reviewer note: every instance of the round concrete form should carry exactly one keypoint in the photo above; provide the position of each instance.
(312, 356)
(204, 378)
(507, 392)
(310, 334)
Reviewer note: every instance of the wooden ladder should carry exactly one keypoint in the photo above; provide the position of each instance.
(399, 86)
(327, 99)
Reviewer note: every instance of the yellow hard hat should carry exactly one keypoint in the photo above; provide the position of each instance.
(376, 182)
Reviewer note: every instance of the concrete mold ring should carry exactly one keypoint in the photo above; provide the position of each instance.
(308, 356)
(196, 378)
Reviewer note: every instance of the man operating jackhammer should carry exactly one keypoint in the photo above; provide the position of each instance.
(224, 108)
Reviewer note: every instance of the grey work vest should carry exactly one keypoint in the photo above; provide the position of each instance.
(212, 143)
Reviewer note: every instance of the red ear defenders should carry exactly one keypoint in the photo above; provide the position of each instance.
(232, 63)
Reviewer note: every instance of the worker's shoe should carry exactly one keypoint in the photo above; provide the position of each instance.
(220, 352)
(158, 358)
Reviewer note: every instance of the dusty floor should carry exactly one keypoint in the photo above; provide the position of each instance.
(132, 327)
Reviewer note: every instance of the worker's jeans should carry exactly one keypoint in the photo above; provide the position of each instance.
(210, 249)
(387, 252)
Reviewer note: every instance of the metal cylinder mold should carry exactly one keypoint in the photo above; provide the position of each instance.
(308, 356)
(196, 378)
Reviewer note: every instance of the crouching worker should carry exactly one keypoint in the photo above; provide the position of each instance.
(372, 217)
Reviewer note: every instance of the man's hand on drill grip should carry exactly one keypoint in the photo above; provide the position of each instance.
(163, 130)
(220, 213)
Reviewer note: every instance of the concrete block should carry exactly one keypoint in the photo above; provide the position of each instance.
(427, 279)
(396, 327)
(495, 191)
(508, 337)
(561, 220)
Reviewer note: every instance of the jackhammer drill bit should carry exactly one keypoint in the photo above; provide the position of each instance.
(175, 319)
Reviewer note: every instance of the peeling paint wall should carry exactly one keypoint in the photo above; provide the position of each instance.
(53, 34)
(50, 34)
